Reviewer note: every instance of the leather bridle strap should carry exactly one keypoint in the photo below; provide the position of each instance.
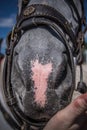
(38, 12)
(34, 16)
(8, 88)
(73, 6)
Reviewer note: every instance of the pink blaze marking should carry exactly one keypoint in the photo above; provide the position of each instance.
(40, 78)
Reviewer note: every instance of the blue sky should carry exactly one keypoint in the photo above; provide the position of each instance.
(8, 11)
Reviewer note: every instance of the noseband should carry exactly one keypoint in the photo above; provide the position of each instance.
(34, 16)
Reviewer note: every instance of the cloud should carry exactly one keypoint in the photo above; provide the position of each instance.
(7, 22)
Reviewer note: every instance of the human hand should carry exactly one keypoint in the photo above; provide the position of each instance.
(73, 117)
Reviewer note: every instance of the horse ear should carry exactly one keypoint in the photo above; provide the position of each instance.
(21, 5)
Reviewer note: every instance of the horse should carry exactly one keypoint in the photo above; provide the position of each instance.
(40, 64)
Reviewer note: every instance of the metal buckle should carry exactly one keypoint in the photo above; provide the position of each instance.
(28, 11)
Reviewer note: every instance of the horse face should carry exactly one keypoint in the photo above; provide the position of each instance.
(41, 75)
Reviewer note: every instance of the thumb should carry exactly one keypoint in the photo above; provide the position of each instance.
(79, 105)
(68, 115)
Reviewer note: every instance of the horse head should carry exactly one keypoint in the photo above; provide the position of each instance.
(40, 66)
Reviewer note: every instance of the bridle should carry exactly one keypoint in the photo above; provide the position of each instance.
(30, 17)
